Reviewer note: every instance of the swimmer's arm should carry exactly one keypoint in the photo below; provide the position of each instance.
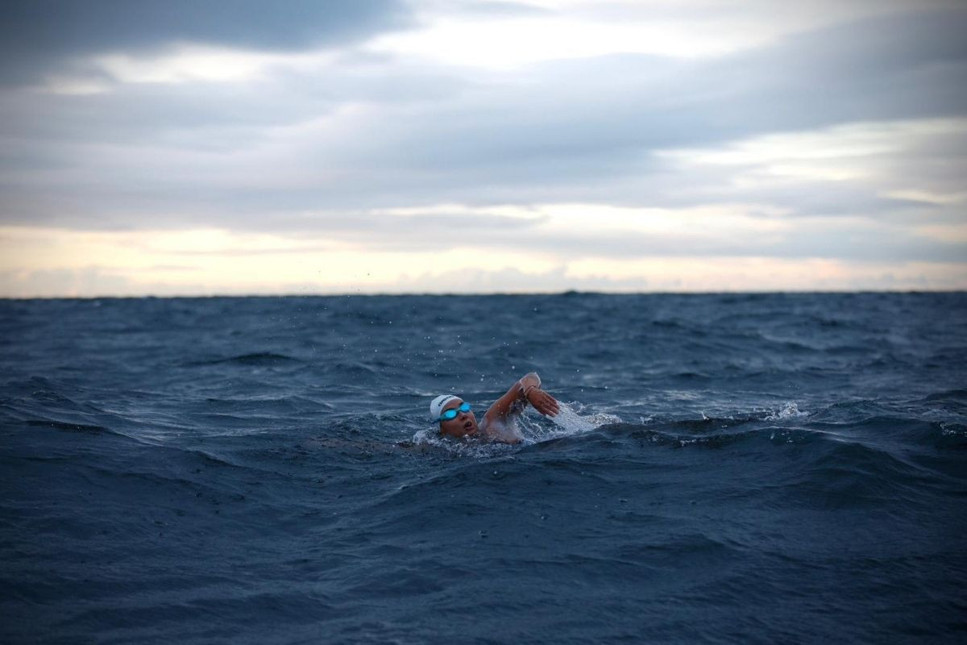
(512, 402)
(526, 390)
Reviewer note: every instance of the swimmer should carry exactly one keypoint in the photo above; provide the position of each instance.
(500, 422)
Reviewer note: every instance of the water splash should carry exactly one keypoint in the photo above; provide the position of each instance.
(569, 422)
(789, 411)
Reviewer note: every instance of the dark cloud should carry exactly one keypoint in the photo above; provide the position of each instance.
(38, 35)
(900, 67)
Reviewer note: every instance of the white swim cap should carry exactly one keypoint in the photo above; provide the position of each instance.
(436, 406)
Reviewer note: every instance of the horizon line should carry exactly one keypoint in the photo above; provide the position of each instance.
(486, 294)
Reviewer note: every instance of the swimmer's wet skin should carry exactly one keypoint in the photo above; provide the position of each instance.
(456, 417)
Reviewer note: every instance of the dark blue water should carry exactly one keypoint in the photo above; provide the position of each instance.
(729, 469)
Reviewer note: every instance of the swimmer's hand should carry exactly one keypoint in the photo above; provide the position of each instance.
(543, 402)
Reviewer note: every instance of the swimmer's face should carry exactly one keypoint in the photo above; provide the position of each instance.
(462, 425)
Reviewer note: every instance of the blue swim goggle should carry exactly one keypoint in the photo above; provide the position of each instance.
(453, 412)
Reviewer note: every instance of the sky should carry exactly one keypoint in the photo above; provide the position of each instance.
(464, 146)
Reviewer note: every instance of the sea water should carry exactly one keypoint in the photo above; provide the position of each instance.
(726, 469)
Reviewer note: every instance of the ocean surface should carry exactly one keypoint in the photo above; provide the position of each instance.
(727, 469)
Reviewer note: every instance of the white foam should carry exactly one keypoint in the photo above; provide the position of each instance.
(789, 411)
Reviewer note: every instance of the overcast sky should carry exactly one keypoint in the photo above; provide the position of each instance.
(383, 146)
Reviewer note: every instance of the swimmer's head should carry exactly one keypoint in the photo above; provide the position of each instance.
(455, 417)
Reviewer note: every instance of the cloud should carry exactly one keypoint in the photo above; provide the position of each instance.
(38, 35)
(835, 133)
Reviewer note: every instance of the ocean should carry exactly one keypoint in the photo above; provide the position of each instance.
(760, 468)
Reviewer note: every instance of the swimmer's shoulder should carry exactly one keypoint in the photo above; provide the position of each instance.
(499, 432)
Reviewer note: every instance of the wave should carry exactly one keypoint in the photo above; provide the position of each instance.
(68, 426)
(852, 463)
(38, 403)
(958, 395)
(257, 359)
